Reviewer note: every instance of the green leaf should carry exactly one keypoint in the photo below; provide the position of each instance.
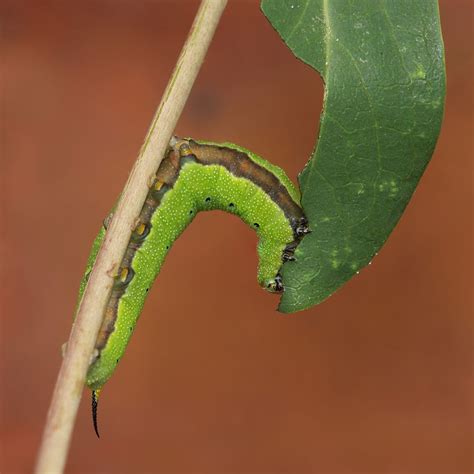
(382, 63)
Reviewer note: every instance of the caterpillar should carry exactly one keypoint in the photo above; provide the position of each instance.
(194, 176)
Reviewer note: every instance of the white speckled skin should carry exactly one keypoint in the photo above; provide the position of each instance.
(197, 188)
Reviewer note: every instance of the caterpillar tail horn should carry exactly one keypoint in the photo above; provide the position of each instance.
(95, 403)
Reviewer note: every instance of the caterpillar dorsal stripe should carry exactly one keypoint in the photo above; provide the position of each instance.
(194, 176)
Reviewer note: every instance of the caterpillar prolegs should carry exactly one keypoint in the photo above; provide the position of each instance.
(194, 176)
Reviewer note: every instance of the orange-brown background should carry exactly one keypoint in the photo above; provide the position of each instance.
(376, 379)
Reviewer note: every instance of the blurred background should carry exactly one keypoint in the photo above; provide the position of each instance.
(376, 379)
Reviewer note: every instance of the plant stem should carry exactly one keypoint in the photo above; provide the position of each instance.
(71, 378)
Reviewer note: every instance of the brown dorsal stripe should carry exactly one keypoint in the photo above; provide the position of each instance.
(240, 165)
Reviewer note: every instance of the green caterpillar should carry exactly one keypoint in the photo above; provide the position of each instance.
(194, 176)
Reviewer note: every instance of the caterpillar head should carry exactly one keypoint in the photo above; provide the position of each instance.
(274, 285)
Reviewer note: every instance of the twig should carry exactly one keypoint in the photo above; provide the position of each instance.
(71, 378)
